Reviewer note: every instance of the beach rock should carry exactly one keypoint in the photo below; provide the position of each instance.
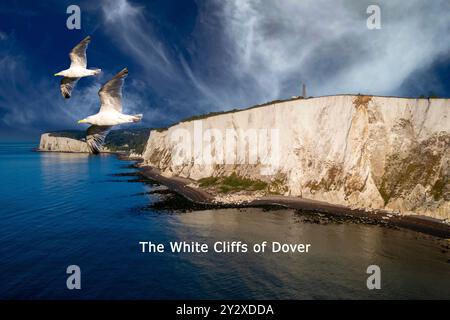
(360, 151)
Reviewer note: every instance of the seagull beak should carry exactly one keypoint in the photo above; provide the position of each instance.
(55, 74)
(82, 121)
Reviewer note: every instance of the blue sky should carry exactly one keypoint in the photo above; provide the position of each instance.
(194, 56)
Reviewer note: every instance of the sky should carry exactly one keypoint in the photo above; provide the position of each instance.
(190, 57)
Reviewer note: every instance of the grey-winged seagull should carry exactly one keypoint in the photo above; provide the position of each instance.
(77, 68)
(110, 113)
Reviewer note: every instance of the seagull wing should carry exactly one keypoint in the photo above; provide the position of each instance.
(111, 93)
(95, 137)
(78, 53)
(67, 85)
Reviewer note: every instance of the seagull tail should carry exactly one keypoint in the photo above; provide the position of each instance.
(137, 117)
(97, 71)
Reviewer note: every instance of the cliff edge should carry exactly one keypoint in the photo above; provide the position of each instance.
(358, 151)
(49, 142)
(130, 141)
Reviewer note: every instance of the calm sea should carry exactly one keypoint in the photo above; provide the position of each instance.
(60, 209)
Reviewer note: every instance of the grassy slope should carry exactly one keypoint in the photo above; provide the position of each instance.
(117, 140)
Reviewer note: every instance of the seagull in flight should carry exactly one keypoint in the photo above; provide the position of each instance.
(77, 68)
(110, 113)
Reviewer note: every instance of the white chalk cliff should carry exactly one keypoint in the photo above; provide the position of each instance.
(61, 144)
(361, 151)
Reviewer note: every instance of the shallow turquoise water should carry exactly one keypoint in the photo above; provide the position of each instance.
(61, 209)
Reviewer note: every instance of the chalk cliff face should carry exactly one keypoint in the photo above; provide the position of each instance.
(61, 144)
(360, 151)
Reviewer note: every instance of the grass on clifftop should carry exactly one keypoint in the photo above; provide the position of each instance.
(117, 140)
(127, 140)
(232, 183)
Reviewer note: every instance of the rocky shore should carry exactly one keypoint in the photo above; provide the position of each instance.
(189, 189)
(383, 157)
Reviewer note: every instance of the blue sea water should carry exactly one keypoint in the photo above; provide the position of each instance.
(59, 209)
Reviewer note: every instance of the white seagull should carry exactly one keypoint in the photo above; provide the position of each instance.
(110, 113)
(77, 68)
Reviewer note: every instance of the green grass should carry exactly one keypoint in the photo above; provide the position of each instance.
(232, 183)
(72, 134)
(208, 182)
(217, 113)
(117, 140)
(127, 140)
(438, 189)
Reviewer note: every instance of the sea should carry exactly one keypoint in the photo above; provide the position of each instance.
(59, 210)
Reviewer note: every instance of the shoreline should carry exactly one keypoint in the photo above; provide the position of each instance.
(423, 224)
(181, 186)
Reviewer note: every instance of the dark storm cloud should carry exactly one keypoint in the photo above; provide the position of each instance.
(218, 55)
(328, 45)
